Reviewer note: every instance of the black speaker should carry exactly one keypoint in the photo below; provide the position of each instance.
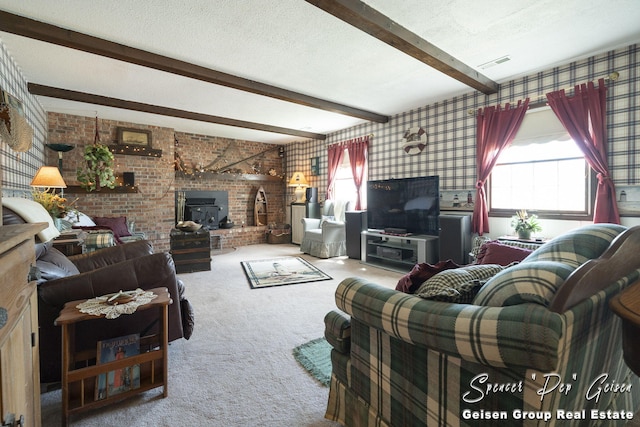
(312, 194)
(356, 223)
(455, 238)
(129, 179)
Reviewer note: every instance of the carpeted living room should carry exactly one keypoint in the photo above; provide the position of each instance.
(238, 368)
(319, 213)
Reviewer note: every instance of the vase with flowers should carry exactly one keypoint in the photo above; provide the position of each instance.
(525, 224)
(55, 204)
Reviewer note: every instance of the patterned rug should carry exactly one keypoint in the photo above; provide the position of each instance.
(281, 271)
(315, 357)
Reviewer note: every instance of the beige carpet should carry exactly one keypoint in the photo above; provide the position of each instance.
(238, 368)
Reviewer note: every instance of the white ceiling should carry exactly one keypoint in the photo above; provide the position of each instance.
(294, 45)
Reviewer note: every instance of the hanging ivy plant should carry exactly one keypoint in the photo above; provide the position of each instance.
(98, 171)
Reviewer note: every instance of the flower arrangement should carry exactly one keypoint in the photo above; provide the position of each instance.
(55, 204)
(525, 224)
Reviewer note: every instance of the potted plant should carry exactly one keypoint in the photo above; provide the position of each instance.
(98, 171)
(525, 224)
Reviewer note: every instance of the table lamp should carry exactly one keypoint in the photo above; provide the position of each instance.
(298, 180)
(48, 177)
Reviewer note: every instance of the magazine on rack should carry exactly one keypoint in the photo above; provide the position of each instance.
(120, 380)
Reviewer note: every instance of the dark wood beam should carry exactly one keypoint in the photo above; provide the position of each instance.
(71, 95)
(38, 30)
(372, 22)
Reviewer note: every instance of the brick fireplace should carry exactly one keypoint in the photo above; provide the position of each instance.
(152, 207)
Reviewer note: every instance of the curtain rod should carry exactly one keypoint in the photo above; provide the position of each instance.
(541, 101)
(349, 140)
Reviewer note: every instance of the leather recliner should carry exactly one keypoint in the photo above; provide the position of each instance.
(123, 267)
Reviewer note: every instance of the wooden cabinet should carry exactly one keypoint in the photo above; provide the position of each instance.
(19, 359)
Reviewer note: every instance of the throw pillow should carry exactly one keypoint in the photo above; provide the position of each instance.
(79, 219)
(535, 281)
(420, 273)
(494, 252)
(457, 285)
(118, 225)
(53, 264)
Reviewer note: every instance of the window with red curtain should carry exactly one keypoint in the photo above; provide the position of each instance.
(584, 117)
(356, 151)
(497, 127)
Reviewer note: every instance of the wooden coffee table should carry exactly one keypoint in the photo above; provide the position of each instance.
(79, 384)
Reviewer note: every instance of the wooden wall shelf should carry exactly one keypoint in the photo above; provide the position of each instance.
(76, 189)
(229, 176)
(135, 150)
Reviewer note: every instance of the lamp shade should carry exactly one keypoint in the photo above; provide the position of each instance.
(48, 176)
(298, 180)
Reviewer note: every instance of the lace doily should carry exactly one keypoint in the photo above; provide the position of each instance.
(100, 305)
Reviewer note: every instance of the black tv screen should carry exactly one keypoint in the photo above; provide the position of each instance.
(408, 205)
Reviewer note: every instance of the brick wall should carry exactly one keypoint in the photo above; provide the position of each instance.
(153, 207)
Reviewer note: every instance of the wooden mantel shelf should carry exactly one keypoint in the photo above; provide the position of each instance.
(229, 176)
(76, 189)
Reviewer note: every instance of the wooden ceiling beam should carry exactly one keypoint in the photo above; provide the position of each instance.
(38, 30)
(374, 23)
(53, 92)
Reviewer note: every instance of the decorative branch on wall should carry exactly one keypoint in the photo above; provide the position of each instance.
(207, 171)
(227, 176)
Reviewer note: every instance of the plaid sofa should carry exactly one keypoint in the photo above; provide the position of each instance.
(401, 360)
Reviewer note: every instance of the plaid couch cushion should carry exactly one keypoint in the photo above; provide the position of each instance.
(98, 239)
(458, 285)
(578, 246)
(535, 282)
(539, 276)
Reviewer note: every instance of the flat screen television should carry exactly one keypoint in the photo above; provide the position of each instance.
(407, 205)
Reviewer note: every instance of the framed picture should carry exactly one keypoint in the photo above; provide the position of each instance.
(139, 137)
(315, 166)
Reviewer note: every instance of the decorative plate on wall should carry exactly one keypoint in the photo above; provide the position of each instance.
(414, 141)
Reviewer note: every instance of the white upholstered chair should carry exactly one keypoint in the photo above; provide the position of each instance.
(326, 237)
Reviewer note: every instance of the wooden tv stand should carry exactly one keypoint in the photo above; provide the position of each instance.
(398, 252)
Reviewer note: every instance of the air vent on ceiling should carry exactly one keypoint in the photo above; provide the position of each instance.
(493, 62)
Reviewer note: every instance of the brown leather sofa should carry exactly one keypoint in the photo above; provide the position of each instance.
(123, 267)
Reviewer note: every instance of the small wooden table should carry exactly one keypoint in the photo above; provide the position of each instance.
(627, 305)
(70, 243)
(78, 384)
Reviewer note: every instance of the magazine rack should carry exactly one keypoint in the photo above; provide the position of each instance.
(79, 384)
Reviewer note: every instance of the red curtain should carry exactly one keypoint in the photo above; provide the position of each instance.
(358, 151)
(496, 130)
(584, 117)
(334, 155)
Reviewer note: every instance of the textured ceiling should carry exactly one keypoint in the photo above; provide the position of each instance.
(294, 45)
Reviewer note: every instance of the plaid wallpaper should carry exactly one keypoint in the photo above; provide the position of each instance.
(19, 168)
(451, 129)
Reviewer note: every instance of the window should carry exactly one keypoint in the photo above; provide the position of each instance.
(542, 171)
(343, 187)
